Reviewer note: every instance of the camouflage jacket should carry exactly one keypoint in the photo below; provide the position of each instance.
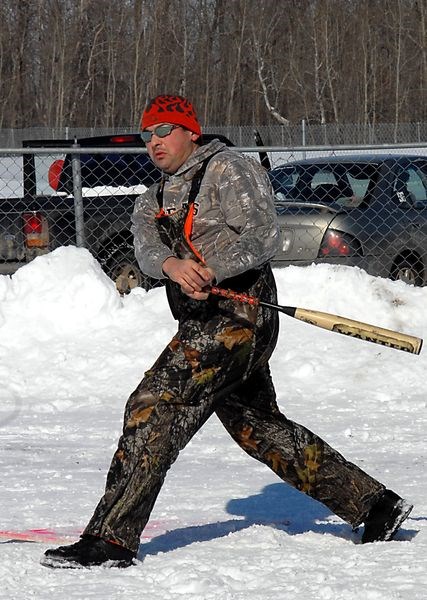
(235, 226)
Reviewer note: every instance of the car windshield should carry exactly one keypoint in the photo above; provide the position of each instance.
(343, 184)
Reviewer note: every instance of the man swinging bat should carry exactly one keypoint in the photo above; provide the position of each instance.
(210, 221)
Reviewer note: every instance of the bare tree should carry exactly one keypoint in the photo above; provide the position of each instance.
(97, 62)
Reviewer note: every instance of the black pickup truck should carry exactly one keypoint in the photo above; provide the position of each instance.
(86, 200)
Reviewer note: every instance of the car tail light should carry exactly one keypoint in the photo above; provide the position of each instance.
(336, 243)
(54, 174)
(123, 139)
(36, 230)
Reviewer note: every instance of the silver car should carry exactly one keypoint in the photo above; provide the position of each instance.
(368, 211)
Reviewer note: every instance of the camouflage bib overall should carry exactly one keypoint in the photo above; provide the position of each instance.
(217, 362)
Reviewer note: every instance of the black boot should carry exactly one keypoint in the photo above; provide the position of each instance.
(88, 552)
(385, 517)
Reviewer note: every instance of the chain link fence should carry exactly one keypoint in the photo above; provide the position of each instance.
(363, 206)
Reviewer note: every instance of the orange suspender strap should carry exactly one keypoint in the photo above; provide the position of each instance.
(188, 230)
(189, 218)
(161, 213)
(159, 196)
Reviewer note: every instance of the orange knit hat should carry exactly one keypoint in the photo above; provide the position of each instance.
(171, 109)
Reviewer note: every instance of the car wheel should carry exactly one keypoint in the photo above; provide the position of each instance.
(408, 272)
(123, 269)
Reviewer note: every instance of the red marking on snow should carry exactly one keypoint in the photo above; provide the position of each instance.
(38, 535)
(62, 535)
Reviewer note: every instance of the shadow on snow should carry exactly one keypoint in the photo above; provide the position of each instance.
(278, 506)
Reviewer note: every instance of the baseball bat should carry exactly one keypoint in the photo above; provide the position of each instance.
(356, 329)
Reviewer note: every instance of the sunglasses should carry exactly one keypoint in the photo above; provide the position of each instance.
(160, 131)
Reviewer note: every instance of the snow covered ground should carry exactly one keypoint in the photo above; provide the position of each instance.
(224, 527)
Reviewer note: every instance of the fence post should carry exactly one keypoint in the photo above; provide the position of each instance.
(303, 137)
(78, 198)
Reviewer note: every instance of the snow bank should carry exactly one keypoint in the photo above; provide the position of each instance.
(63, 291)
